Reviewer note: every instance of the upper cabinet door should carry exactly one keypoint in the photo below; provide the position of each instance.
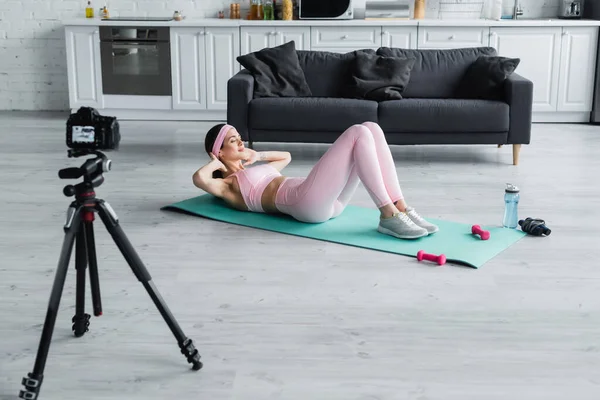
(402, 37)
(255, 38)
(222, 50)
(539, 51)
(577, 68)
(188, 68)
(84, 67)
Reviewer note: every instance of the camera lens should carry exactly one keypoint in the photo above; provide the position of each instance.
(106, 165)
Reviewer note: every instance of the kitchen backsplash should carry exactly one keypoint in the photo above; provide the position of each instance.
(32, 50)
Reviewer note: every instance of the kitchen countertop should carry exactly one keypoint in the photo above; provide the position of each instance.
(216, 22)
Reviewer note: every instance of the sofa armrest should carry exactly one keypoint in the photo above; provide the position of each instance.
(519, 96)
(240, 91)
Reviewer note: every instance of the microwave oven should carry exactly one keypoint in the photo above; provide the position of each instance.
(321, 9)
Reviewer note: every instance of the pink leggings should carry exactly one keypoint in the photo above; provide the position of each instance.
(360, 153)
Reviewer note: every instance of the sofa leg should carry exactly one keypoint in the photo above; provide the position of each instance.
(516, 151)
(500, 145)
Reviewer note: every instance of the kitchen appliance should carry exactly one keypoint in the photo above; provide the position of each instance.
(591, 10)
(135, 60)
(387, 9)
(320, 9)
(570, 9)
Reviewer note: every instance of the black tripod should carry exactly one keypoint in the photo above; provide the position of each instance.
(79, 230)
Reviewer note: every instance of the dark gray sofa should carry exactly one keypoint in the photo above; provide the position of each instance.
(428, 113)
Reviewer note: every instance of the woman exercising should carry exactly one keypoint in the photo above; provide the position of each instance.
(361, 153)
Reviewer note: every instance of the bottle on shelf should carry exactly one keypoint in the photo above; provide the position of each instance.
(419, 10)
(253, 10)
(287, 12)
(89, 10)
(268, 10)
(104, 12)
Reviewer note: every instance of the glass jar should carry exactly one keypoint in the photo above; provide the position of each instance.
(287, 10)
(253, 10)
(268, 10)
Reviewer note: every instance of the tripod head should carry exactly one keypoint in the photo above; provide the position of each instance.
(91, 171)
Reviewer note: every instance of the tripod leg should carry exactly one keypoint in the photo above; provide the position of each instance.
(33, 381)
(81, 320)
(88, 217)
(111, 221)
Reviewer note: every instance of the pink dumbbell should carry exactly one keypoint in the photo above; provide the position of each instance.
(476, 230)
(441, 259)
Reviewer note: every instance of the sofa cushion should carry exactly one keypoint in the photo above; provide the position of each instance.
(437, 72)
(328, 74)
(443, 115)
(485, 78)
(276, 71)
(310, 113)
(380, 78)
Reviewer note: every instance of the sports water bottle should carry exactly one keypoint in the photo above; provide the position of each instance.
(511, 204)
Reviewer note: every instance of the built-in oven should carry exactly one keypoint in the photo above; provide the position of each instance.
(135, 60)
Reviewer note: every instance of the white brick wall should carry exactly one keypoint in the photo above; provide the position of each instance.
(33, 72)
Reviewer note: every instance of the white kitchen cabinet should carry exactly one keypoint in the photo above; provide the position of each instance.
(202, 61)
(577, 68)
(84, 66)
(452, 37)
(188, 68)
(300, 35)
(255, 38)
(404, 37)
(222, 49)
(539, 51)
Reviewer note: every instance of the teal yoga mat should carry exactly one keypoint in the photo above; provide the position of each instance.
(357, 226)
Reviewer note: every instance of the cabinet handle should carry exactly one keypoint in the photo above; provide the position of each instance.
(273, 33)
(451, 37)
(566, 33)
(385, 33)
(345, 37)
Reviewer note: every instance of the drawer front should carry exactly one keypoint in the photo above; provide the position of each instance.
(452, 37)
(352, 37)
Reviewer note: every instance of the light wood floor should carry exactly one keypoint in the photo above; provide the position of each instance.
(281, 317)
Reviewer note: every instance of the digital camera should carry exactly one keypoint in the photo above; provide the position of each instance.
(87, 129)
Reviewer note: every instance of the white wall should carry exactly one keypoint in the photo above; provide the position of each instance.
(32, 52)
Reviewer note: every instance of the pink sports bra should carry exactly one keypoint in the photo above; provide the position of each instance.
(253, 181)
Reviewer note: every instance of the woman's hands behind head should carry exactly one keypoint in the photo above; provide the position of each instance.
(216, 163)
(250, 157)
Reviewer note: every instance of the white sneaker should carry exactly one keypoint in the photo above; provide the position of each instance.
(401, 226)
(419, 221)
